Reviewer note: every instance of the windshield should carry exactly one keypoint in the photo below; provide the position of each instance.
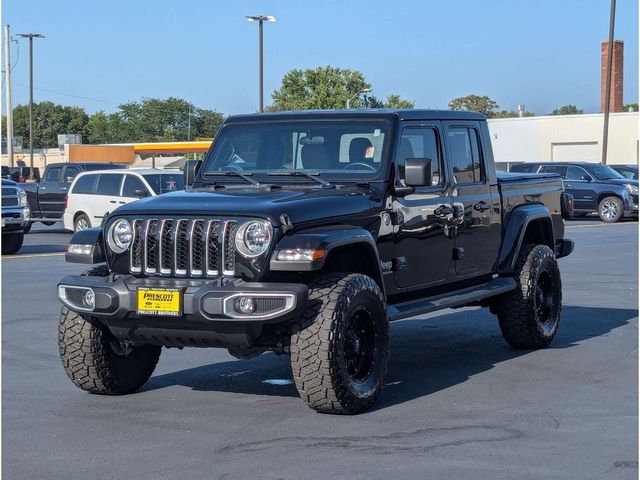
(347, 150)
(602, 172)
(165, 182)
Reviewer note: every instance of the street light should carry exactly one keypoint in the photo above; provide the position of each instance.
(364, 90)
(260, 19)
(30, 36)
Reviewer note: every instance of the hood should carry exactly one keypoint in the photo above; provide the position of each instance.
(300, 205)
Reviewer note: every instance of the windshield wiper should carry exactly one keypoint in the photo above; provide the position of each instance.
(313, 176)
(233, 173)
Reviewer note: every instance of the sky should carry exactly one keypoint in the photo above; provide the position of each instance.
(99, 54)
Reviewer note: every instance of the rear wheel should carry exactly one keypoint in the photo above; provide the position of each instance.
(340, 346)
(610, 209)
(27, 229)
(81, 222)
(530, 314)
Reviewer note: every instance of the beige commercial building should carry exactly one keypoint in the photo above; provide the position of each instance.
(559, 138)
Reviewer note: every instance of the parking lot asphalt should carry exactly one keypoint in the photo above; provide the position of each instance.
(458, 402)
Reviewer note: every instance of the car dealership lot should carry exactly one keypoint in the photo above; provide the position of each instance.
(458, 401)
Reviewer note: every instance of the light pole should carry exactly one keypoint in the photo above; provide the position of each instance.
(364, 90)
(30, 36)
(607, 94)
(260, 19)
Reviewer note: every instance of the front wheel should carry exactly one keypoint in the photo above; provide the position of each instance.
(610, 209)
(340, 345)
(97, 362)
(530, 314)
(12, 242)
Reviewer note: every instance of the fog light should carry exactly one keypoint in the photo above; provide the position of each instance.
(89, 299)
(245, 305)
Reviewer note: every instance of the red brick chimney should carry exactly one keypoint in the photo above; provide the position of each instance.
(615, 100)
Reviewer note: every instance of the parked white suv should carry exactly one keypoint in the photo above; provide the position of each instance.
(93, 195)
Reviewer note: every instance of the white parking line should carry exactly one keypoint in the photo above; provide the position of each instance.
(11, 257)
(602, 225)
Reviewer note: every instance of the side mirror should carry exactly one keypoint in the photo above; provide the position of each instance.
(190, 172)
(140, 193)
(418, 172)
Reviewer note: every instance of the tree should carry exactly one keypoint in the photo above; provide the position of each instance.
(567, 110)
(474, 103)
(393, 101)
(511, 114)
(49, 120)
(152, 120)
(328, 88)
(106, 128)
(632, 106)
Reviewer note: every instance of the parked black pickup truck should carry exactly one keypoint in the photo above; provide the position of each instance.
(46, 198)
(305, 233)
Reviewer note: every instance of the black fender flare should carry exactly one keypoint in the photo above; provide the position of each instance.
(518, 221)
(93, 243)
(327, 239)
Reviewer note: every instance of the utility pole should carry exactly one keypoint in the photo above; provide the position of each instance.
(607, 93)
(7, 67)
(260, 19)
(30, 36)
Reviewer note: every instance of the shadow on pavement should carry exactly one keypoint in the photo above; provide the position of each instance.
(427, 355)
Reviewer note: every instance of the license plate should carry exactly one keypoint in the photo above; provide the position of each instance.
(166, 301)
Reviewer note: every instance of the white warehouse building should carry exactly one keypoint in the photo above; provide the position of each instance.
(559, 138)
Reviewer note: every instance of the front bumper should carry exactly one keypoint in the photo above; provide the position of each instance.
(205, 320)
(15, 216)
(202, 301)
(631, 206)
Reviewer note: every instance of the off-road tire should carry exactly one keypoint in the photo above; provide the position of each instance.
(12, 242)
(95, 361)
(527, 318)
(611, 209)
(78, 219)
(320, 344)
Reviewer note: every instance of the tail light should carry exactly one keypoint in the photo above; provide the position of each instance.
(66, 201)
(21, 179)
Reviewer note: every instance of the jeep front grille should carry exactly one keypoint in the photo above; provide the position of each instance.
(183, 247)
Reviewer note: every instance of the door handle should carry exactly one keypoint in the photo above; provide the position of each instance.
(112, 201)
(122, 203)
(63, 188)
(443, 211)
(43, 188)
(481, 206)
(568, 185)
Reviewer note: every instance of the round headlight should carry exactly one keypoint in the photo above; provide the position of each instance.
(253, 238)
(120, 236)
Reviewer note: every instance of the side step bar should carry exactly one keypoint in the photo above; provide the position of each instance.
(456, 298)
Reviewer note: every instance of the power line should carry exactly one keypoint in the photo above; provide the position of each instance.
(66, 94)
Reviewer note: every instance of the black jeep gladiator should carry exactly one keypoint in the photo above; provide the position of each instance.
(305, 233)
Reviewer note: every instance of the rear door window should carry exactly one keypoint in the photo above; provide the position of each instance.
(86, 185)
(109, 184)
(465, 155)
